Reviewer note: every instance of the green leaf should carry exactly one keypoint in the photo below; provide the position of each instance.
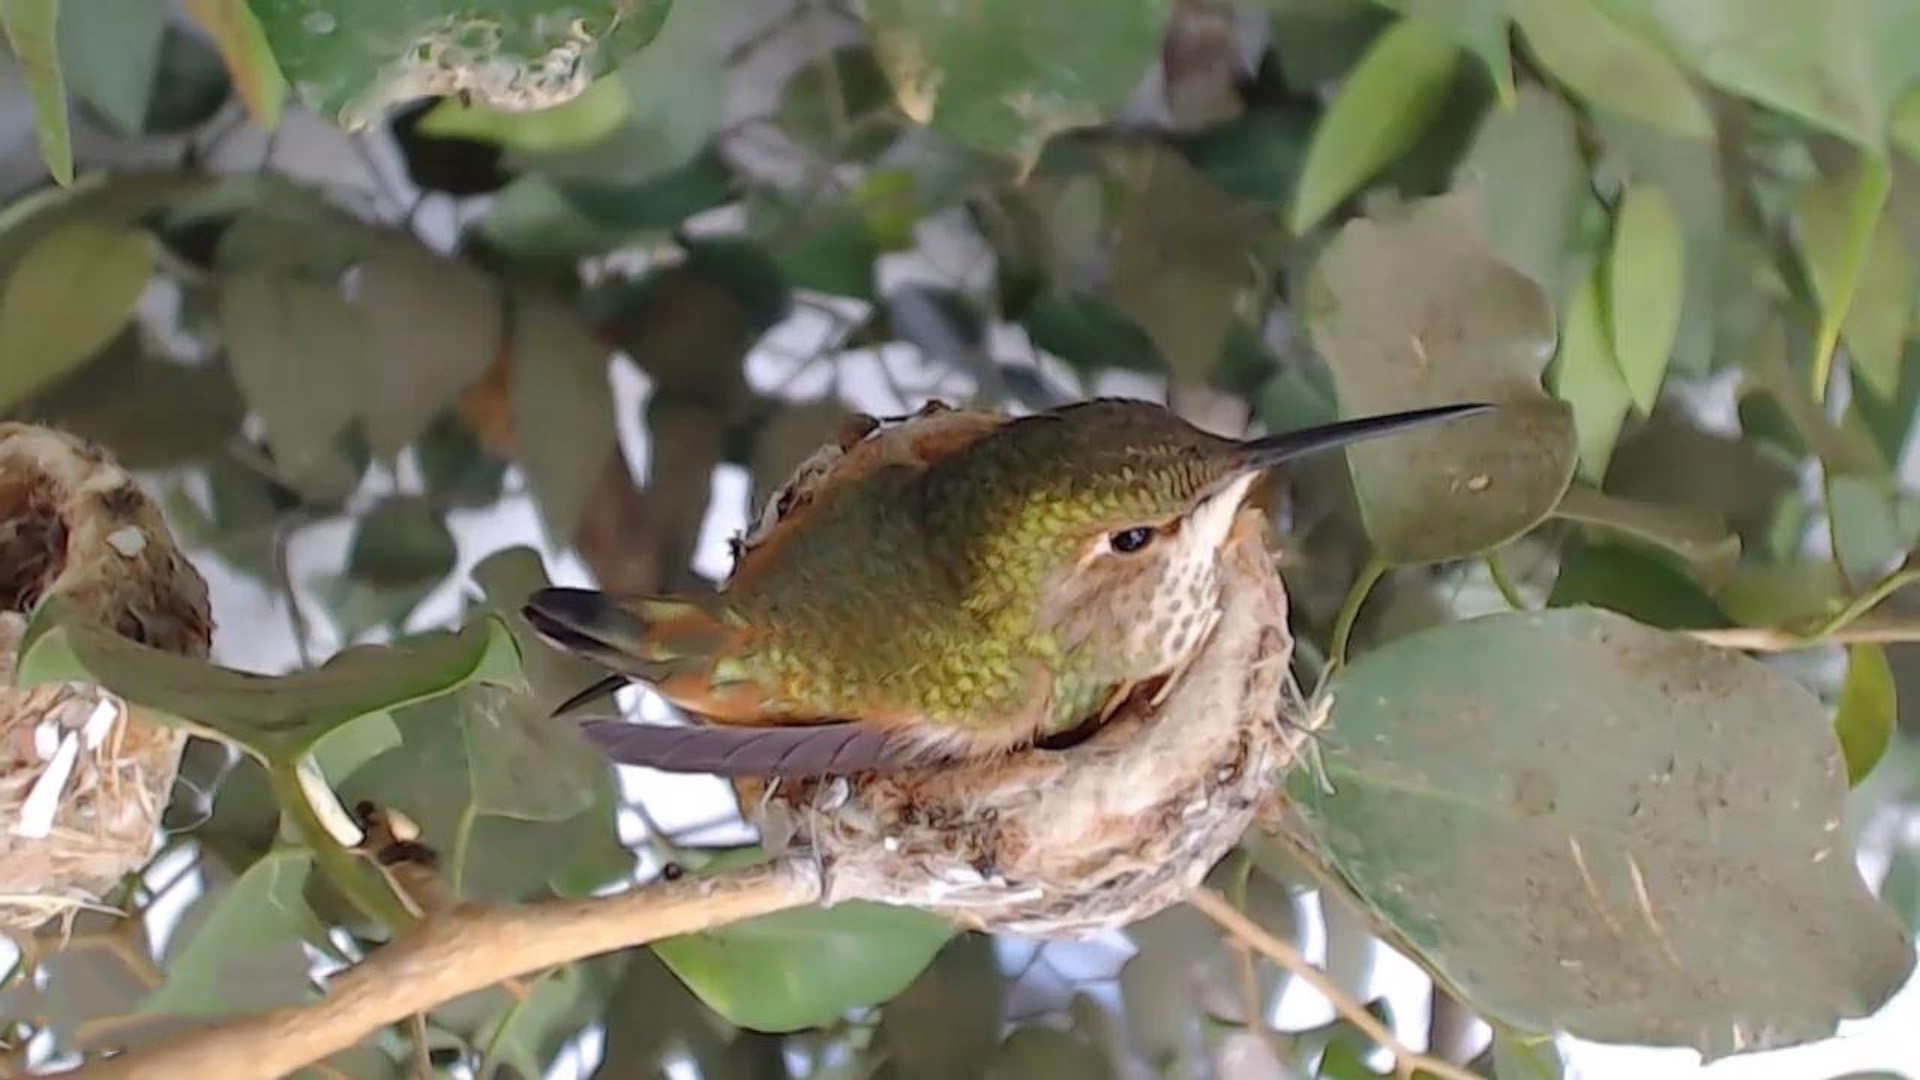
(1877, 322)
(155, 412)
(1478, 26)
(277, 717)
(1697, 535)
(1867, 531)
(808, 966)
(349, 59)
(1587, 377)
(435, 325)
(948, 1021)
(112, 57)
(1607, 830)
(836, 255)
(1634, 583)
(247, 954)
(1904, 126)
(1410, 311)
(1378, 114)
(1837, 219)
(1090, 334)
(1839, 66)
(1611, 67)
(1004, 76)
(1534, 1057)
(1645, 289)
(1900, 889)
(1256, 157)
(1035, 1050)
(68, 295)
(582, 120)
(1525, 166)
(562, 409)
(298, 352)
(401, 551)
(237, 29)
(1180, 261)
(507, 577)
(1865, 718)
(33, 35)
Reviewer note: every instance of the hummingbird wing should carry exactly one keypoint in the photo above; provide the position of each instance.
(814, 750)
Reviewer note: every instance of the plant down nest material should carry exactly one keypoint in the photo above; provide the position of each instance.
(83, 779)
(1060, 843)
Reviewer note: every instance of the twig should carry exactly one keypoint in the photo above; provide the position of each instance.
(1407, 1061)
(1773, 639)
(464, 949)
(1251, 1001)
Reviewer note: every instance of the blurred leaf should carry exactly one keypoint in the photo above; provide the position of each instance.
(1089, 333)
(1525, 167)
(156, 413)
(250, 57)
(808, 966)
(1610, 66)
(190, 86)
(1478, 26)
(948, 1021)
(1697, 535)
(1256, 156)
(1645, 887)
(1837, 220)
(111, 53)
(508, 577)
(1728, 476)
(533, 221)
(1900, 889)
(1783, 594)
(401, 551)
(1867, 531)
(298, 352)
(592, 115)
(1889, 417)
(1880, 317)
(517, 1036)
(32, 33)
(349, 60)
(1586, 375)
(1034, 1050)
(69, 294)
(277, 717)
(1413, 311)
(836, 255)
(1180, 261)
(1645, 290)
(562, 408)
(1864, 719)
(822, 97)
(1526, 1058)
(748, 272)
(652, 1014)
(1838, 66)
(1633, 583)
(458, 471)
(1379, 112)
(248, 953)
(436, 327)
(1004, 76)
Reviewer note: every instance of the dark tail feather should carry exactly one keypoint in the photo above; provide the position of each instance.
(798, 751)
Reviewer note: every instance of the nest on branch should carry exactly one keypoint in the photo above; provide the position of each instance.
(83, 779)
(1059, 843)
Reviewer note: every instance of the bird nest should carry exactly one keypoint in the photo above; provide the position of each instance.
(1067, 842)
(83, 779)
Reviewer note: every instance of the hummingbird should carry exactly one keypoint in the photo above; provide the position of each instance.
(1012, 588)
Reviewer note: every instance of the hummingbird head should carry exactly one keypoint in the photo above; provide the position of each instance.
(1126, 517)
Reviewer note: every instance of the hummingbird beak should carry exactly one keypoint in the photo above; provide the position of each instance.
(1272, 450)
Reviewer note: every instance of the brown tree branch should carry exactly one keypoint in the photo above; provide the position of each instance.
(463, 949)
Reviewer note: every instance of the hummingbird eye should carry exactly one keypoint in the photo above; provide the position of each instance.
(1128, 541)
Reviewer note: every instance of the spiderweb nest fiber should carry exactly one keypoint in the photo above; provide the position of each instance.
(83, 779)
(1058, 843)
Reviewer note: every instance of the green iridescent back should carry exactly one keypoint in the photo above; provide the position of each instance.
(918, 590)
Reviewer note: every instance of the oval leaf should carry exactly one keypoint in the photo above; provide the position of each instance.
(806, 967)
(1865, 718)
(248, 952)
(1479, 26)
(1645, 287)
(1610, 66)
(1380, 111)
(1587, 377)
(1591, 826)
(1413, 311)
(68, 296)
(1697, 535)
(298, 351)
(32, 33)
(1006, 75)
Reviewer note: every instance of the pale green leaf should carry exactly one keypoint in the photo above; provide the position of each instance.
(1612, 67)
(1412, 310)
(1645, 289)
(436, 325)
(1694, 533)
(1608, 830)
(67, 296)
(583, 120)
(247, 53)
(1877, 322)
(1004, 76)
(1836, 220)
(1379, 112)
(1900, 889)
(562, 408)
(32, 28)
(350, 59)
(1525, 168)
(1479, 26)
(299, 352)
(112, 57)
(247, 954)
(1865, 717)
(1904, 126)
(1587, 377)
(1867, 532)
(1526, 1058)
